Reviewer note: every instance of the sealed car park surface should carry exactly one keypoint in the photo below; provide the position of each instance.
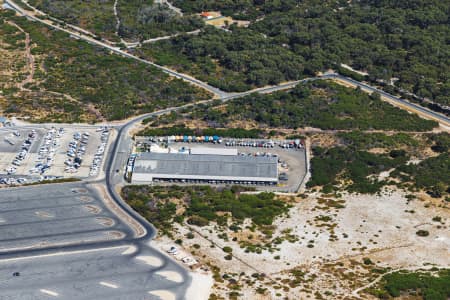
(107, 273)
(40, 216)
(48, 155)
(100, 257)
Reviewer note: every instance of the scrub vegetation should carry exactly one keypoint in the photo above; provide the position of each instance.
(320, 104)
(238, 9)
(139, 20)
(351, 165)
(200, 205)
(232, 61)
(90, 80)
(426, 285)
(364, 141)
(95, 16)
(402, 43)
(330, 166)
(182, 130)
(431, 174)
(401, 40)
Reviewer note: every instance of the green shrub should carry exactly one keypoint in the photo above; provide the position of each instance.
(429, 286)
(227, 249)
(423, 233)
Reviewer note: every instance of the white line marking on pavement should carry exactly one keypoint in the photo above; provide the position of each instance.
(48, 292)
(163, 294)
(62, 253)
(150, 260)
(113, 286)
(130, 250)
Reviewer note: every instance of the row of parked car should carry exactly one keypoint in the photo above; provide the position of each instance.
(76, 151)
(265, 144)
(187, 260)
(23, 180)
(268, 144)
(47, 151)
(258, 154)
(21, 155)
(12, 181)
(96, 163)
(204, 181)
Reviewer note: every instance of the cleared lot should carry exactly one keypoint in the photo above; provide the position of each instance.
(45, 215)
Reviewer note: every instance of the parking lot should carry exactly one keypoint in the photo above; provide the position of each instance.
(73, 214)
(28, 154)
(291, 156)
(130, 272)
(44, 215)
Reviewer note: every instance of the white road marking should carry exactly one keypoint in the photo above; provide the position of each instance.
(130, 250)
(108, 284)
(163, 294)
(171, 275)
(150, 260)
(62, 253)
(48, 292)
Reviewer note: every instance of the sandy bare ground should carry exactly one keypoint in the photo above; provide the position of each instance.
(200, 287)
(202, 280)
(328, 242)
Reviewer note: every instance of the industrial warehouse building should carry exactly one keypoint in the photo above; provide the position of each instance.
(212, 168)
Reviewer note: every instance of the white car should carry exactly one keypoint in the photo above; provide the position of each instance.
(172, 250)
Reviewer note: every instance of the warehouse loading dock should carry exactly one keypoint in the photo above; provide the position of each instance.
(211, 168)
